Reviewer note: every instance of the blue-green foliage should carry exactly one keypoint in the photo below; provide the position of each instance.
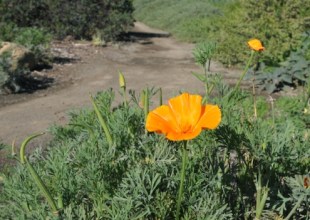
(138, 177)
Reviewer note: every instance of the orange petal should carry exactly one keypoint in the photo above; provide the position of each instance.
(256, 45)
(186, 110)
(160, 120)
(210, 117)
(183, 136)
(195, 109)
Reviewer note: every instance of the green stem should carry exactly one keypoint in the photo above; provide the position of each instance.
(35, 176)
(146, 105)
(205, 68)
(122, 84)
(261, 197)
(272, 112)
(209, 64)
(295, 207)
(182, 177)
(254, 98)
(102, 123)
(245, 70)
(160, 96)
(42, 187)
(125, 97)
(23, 146)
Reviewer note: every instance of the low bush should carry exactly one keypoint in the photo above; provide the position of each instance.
(278, 24)
(80, 19)
(247, 167)
(36, 41)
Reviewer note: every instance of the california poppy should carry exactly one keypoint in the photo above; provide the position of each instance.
(256, 45)
(183, 118)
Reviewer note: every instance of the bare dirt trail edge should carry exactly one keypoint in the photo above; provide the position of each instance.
(154, 59)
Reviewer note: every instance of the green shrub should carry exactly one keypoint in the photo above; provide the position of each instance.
(29, 13)
(8, 31)
(188, 20)
(138, 176)
(36, 40)
(26, 36)
(279, 24)
(80, 19)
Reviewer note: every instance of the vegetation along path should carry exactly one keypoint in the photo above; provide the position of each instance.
(149, 58)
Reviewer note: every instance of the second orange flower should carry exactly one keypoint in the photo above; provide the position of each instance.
(183, 118)
(256, 45)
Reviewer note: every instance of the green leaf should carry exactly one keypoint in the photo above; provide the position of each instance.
(286, 78)
(200, 76)
(270, 88)
(300, 75)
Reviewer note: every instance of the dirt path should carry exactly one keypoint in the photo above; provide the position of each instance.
(154, 59)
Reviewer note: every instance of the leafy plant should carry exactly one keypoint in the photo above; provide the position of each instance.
(299, 198)
(79, 19)
(37, 40)
(275, 23)
(203, 54)
(137, 177)
(294, 71)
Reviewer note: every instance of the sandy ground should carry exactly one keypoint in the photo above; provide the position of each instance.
(151, 58)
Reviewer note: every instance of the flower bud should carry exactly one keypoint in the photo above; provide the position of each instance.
(122, 83)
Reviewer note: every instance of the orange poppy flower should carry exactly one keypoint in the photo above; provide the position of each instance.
(183, 118)
(256, 45)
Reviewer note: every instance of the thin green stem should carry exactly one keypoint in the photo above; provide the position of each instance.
(24, 144)
(272, 111)
(35, 175)
(42, 187)
(261, 197)
(124, 97)
(205, 68)
(13, 148)
(209, 64)
(122, 85)
(295, 207)
(102, 123)
(245, 70)
(146, 105)
(160, 96)
(182, 177)
(254, 97)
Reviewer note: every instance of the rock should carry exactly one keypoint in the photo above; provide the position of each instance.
(19, 55)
